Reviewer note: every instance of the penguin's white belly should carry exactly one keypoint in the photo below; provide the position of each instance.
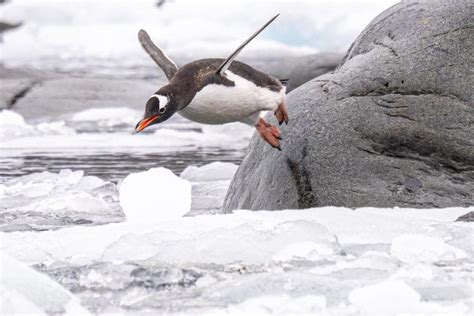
(219, 104)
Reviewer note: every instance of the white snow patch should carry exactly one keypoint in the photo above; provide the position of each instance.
(395, 297)
(27, 291)
(413, 248)
(388, 297)
(279, 305)
(154, 195)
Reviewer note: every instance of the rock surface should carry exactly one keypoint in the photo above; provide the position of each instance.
(392, 126)
(17, 82)
(56, 97)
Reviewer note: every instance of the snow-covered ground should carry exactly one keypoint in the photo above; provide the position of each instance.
(324, 260)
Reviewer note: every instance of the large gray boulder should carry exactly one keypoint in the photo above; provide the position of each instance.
(393, 126)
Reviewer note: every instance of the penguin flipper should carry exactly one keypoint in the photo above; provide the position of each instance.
(159, 57)
(225, 65)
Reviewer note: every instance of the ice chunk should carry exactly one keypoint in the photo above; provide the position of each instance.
(421, 248)
(394, 297)
(306, 250)
(27, 291)
(154, 195)
(13, 125)
(211, 172)
(209, 185)
(280, 305)
(50, 200)
(208, 197)
(245, 243)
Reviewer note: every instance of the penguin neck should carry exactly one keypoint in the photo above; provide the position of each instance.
(176, 95)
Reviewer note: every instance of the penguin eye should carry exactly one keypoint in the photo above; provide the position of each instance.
(162, 110)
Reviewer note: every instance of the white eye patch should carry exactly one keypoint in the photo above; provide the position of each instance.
(162, 99)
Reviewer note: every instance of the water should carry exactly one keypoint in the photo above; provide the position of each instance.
(112, 166)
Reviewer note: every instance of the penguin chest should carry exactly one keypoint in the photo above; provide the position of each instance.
(220, 104)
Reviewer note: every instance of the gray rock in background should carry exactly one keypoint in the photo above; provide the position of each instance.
(468, 217)
(16, 83)
(393, 126)
(302, 69)
(57, 97)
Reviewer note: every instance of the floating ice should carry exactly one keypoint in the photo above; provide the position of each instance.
(305, 250)
(420, 248)
(211, 172)
(105, 118)
(50, 200)
(13, 125)
(87, 132)
(154, 195)
(210, 183)
(25, 291)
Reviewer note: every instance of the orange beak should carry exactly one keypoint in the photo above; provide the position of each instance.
(145, 123)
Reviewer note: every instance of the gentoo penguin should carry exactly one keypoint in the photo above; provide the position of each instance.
(216, 91)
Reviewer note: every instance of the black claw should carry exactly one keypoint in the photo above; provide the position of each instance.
(279, 137)
(279, 123)
(278, 147)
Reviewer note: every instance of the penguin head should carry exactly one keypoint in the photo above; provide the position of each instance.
(159, 107)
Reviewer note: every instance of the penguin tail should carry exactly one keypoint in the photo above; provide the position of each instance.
(285, 82)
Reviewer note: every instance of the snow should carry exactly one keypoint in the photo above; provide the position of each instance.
(50, 200)
(414, 248)
(154, 195)
(397, 298)
(278, 305)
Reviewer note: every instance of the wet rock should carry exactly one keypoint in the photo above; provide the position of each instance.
(392, 126)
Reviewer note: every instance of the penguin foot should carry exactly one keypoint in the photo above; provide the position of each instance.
(271, 134)
(281, 113)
